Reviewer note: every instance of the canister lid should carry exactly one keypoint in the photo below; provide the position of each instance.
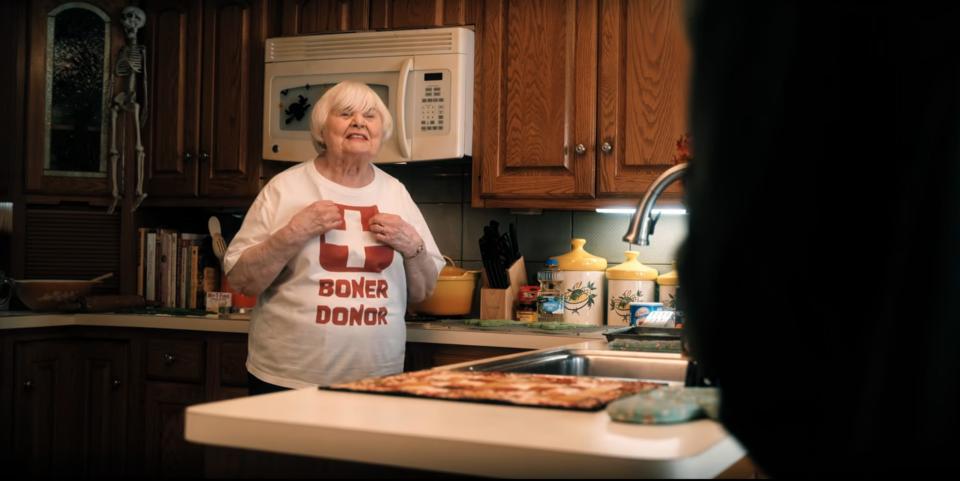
(580, 260)
(670, 278)
(632, 269)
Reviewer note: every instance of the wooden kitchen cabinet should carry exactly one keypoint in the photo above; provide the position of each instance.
(71, 407)
(305, 17)
(203, 138)
(583, 101)
(167, 453)
(66, 144)
(388, 14)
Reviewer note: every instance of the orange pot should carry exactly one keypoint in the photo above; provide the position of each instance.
(237, 299)
(453, 295)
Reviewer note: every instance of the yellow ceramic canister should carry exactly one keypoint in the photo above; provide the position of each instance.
(669, 283)
(582, 285)
(628, 282)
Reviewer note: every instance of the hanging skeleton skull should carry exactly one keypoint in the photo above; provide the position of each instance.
(132, 19)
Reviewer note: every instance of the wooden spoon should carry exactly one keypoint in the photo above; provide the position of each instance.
(101, 278)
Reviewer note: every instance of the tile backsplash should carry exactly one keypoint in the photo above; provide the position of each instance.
(442, 191)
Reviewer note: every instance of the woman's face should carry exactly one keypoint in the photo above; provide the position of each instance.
(353, 133)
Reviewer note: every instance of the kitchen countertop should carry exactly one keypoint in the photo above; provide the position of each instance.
(433, 332)
(462, 437)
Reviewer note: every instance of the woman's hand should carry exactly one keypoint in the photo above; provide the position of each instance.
(396, 233)
(315, 219)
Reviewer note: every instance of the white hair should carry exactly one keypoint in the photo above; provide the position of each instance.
(350, 96)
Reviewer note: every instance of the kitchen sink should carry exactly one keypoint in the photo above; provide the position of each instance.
(590, 362)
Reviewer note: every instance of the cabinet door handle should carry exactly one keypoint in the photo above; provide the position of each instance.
(28, 384)
(115, 383)
(606, 148)
(168, 359)
(580, 149)
(187, 157)
(204, 156)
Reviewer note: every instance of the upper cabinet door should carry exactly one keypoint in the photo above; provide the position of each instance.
(234, 32)
(421, 13)
(644, 75)
(303, 17)
(72, 50)
(173, 36)
(536, 99)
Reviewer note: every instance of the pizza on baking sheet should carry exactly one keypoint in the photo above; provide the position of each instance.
(546, 390)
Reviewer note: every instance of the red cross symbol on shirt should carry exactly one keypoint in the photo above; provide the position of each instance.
(354, 248)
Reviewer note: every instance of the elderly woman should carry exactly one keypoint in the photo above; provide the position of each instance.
(334, 247)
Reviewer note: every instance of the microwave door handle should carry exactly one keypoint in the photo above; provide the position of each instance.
(401, 108)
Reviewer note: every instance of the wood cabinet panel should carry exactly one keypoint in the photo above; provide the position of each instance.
(203, 139)
(43, 433)
(609, 77)
(303, 17)
(537, 63)
(171, 137)
(406, 13)
(644, 77)
(421, 356)
(168, 454)
(233, 40)
(38, 178)
(13, 48)
(71, 407)
(104, 388)
(233, 362)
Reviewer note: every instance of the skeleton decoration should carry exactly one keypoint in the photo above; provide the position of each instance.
(131, 61)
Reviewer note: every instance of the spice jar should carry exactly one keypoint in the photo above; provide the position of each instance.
(626, 283)
(527, 303)
(583, 285)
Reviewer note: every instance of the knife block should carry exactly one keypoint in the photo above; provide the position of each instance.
(502, 303)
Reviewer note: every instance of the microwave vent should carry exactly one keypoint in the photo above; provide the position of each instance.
(370, 44)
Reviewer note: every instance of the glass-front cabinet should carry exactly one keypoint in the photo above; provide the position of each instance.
(72, 48)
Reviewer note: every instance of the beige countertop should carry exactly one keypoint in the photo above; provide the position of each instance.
(463, 437)
(434, 333)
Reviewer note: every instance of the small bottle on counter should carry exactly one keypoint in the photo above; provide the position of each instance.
(527, 303)
(550, 298)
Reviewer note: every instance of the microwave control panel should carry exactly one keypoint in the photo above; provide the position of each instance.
(434, 102)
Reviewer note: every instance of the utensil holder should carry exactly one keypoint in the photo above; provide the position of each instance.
(502, 303)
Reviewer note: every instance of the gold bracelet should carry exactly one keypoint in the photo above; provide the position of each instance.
(415, 254)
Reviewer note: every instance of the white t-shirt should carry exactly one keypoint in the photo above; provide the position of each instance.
(335, 313)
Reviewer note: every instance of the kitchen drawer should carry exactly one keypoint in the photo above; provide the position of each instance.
(175, 360)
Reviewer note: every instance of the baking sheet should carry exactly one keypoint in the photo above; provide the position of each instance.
(581, 393)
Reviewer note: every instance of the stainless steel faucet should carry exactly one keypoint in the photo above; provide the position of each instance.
(642, 224)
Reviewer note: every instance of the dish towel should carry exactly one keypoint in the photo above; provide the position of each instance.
(666, 405)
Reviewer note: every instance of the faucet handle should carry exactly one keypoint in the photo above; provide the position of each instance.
(653, 222)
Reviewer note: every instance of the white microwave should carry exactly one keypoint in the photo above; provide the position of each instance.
(425, 78)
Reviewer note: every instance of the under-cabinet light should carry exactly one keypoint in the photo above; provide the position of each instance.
(631, 210)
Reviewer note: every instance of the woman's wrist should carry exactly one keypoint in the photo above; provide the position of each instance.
(419, 250)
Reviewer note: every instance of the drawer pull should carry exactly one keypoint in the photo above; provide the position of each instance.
(168, 359)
